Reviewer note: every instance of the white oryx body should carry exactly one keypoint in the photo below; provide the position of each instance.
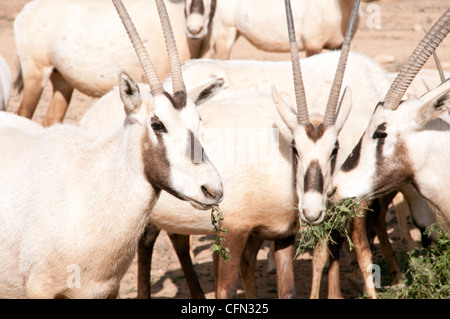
(319, 23)
(78, 44)
(5, 83)
(73, 207)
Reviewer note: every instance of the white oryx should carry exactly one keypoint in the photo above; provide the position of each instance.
(320, 24)
(73, 207)
(405, 141)
(77, 44)
(5, 83)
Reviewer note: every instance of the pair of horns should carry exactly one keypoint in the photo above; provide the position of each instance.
(333, 100)
(154, 82)
(416, 60)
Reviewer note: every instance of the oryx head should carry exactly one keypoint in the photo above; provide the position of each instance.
(199, 15)
(172, 154)
(315, 142)
(385, 157)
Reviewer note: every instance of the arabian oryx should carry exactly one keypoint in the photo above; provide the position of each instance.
(73, 207)
(405, 141)
(320, 24)
(243, 108)
(77, 45)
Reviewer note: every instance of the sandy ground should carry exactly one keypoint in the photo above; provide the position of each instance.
(398, 32)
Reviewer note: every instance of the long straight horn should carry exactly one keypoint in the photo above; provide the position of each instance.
(417, 59)
(149, 70)
(300, 97)
(333, 99)
(438, 63)
(174, 59)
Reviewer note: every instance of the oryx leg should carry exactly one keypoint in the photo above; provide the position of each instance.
(359, 237)
(145, 252)
(393, 266)
(271, 267)
(34, 80)
(224, 43)
(247, 265)
(402, 212)
(181, 245)
(62, 93)
(334, 283)
(227, 272)
(284, 259)
(320, 258)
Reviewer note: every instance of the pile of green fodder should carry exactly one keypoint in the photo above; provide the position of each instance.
(427, 274)
(336, 218)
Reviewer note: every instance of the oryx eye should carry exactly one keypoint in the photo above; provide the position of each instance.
(158, 126)
(379, 134)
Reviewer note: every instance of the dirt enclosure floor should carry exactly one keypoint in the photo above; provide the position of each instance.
(398, 32)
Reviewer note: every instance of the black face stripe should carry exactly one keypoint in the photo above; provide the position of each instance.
(156, 163)
(333, 159)
(294, 169)
(353, 159)
(197, 7)
(380, 144)
(313, 178)
(195, 149)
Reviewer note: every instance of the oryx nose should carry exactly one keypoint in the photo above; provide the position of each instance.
(215, 194)
(313, 219)
(331, 192)
(195, 30)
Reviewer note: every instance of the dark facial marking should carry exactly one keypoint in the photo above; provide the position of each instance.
(314, 132)
(334, 157)
(197, 7)
(156, 163)
(393, 172)
(294, 168)
(379, 133)
(178, 99)
(314, 178)
(353, 159)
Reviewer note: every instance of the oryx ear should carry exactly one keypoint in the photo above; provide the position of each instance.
(129, 93)
(432, 109)
(206, 92)
(345, 105)
(286, 113)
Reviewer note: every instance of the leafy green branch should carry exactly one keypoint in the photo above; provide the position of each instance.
(216, 218)
(336, 218)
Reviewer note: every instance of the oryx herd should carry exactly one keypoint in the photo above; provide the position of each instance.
(178, 128)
